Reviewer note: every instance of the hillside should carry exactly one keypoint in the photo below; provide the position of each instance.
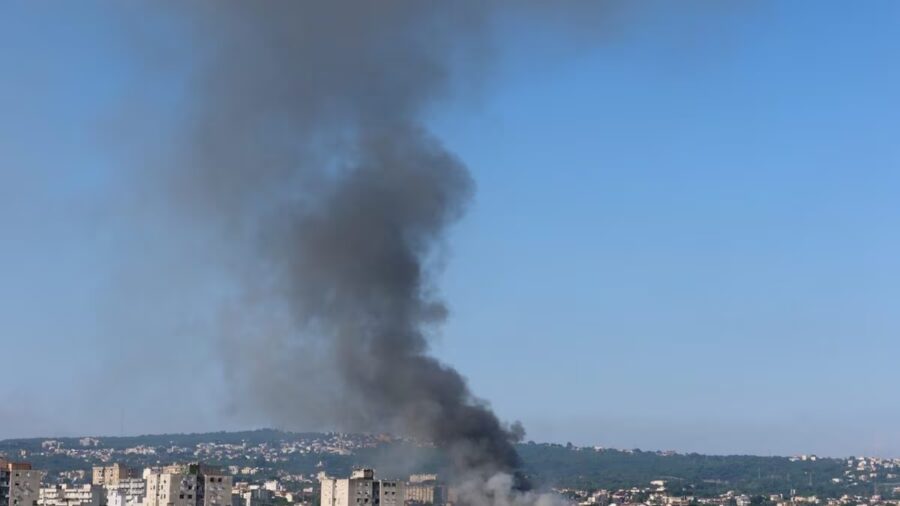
(274, 453)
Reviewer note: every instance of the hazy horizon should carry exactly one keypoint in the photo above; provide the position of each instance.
(526, 441)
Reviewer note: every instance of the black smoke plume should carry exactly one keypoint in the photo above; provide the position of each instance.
(306, 143)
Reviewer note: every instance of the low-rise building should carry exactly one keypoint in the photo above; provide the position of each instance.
(69, 495)
(256, 497)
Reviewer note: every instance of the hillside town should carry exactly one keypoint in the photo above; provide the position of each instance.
(92, 449)
(89, 471)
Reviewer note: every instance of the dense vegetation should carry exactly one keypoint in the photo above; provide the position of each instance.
(691, 474)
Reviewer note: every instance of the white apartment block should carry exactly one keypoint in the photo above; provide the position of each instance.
(19, 484)
(67, 495)
(362, 489)
(127, 492)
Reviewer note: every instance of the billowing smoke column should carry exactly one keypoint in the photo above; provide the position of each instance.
(307, 140)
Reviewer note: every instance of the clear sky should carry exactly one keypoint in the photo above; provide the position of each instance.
(685, 233)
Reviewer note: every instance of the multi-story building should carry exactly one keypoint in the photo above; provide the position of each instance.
(362, 489)
(19, 484)
(167, 488)
(127, 492)
(110, 475)
(426, 489)
(215, 488)
(188, 485)
(68, 495)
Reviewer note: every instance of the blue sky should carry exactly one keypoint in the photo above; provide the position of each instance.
(684, 234)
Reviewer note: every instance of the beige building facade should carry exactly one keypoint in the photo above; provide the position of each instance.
(426, 489)
(170, 489)
(110, 475)
(188, 485)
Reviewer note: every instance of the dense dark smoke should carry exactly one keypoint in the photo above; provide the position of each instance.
(306, 140)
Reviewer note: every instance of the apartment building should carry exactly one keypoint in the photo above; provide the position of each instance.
(425, 489)
(188, 485)
(71, 495)
(361, 489)
(110, 475)
(127, 492)
(19, 484)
